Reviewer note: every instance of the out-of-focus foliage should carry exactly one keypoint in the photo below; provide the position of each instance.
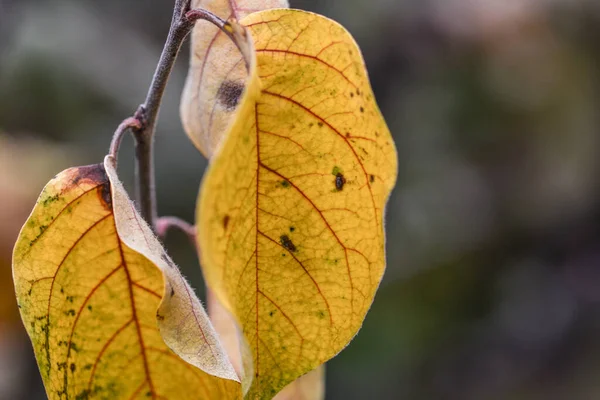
(491, 290)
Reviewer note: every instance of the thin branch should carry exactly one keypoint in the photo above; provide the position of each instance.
(130, 123)
(148, 112)
(181, 25)
(199, 13)
(231, 28)
(163, 224)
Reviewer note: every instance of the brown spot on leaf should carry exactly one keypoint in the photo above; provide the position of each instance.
(172, 292)
(372, 178)
(226, 221)
(362, 109)
(105, 196)
(340, 181)
(229, 94)
(93, 174)
(287, 243)
(167, 260)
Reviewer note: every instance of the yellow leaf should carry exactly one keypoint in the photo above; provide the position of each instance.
(231, 338)
(217, 73)
(105, 307)
(290, 213)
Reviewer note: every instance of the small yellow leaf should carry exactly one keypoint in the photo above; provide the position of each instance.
(308, 387)
(290, 213)
(217, 73)
(231, 338)
(93, 297)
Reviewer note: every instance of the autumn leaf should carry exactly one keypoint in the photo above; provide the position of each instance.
(308, 387)
(290, 213)
(217, 73)
(108, 313)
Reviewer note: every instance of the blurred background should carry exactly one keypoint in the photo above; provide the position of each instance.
(492, 289)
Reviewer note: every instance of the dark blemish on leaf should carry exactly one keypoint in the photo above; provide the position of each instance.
(286, 184)
(62, 291)
(225, 221)
(271, 313)
(292, 229)
(62, 365)
(70, 299)
(87, 367)
(229, 94)
(351, 94)
(105, 196)
(167, 260)
(340, 181)
(358, 92)
(172, 292)
(72, 367)
(74, 347)
(159, 317)
(93, 174)
(70, 313)
(282, 254)
(364, 151)
(49, 200)
(321, 314)
(347, 134)
(372, 178)
(377, 134)
(362, 110)
(148, 394)
(320, 124)
(310, 125)
(89, 308)
(287, 243)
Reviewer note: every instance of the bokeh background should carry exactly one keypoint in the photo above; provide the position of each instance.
(492, 289)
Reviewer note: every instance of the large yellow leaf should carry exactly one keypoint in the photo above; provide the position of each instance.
(217, 73)
(109, 314)
(290, 214)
